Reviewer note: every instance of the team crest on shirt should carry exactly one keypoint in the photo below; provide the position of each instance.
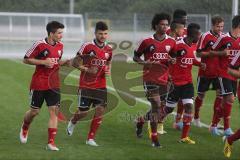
(151, 48)
(167, 47)
(228, 45)
(59, 52)
(45, 53)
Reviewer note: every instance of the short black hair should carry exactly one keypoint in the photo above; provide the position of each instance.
(192, 27)
(100, 25)
(159, 17)
(236, 21)
(53, 26)
(216, 19)
(174, 25)
(179, 13)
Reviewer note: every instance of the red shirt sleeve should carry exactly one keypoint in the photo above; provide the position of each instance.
(33, 51)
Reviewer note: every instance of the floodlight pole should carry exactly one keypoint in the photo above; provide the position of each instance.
(234, 7)
(71, 6)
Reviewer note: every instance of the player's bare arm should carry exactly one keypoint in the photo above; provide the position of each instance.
(32, 61)
(234, 72)
(66, 62)
(76, 63)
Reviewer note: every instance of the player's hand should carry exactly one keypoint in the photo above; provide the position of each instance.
(172, 60)
(107, 70)
(227, 52)
(203, 66)
(92, 70)
(49, 62)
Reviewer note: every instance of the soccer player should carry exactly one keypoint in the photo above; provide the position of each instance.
(210, 75)
(46, 56)
(182, 79)
(226, 47)
(156, 51)
(93, 60)
(177, 30)
(180, 17)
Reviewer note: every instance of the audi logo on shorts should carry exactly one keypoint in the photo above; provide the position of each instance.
(98, 62)
(158, 56)
(187, 60)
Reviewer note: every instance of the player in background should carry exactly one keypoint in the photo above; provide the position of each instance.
(226, 47)
(45, 85)
(93, 60)
(210, 75)
(180, 17)
(233, 70)
(156, 52)
(182, 80)
(177, 30)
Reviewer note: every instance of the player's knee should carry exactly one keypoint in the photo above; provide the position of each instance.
(83, 108)
(168, 110)
(201, 95)
(230, 99)
(34, 112)
(188, 108)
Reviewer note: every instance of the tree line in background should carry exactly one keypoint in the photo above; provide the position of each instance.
(117, 6)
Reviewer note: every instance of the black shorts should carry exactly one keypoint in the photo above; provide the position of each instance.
(51, 96)
(203, 84)
(184, 93)
(88, 97)
(227, 86)
(155, 89)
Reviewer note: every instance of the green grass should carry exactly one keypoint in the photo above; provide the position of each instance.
(116, 135)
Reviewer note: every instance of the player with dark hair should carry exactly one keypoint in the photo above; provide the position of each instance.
(46, 56)
(210, 75)
(234, 71)
(182, 80)
(226, 47)
(156, 51)
(93, 60)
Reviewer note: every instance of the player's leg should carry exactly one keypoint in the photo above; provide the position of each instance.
(202, 86)
(228, 99)
(84, 103)
(217, 113)
(179, 114)
(238, 91)
(36, 101)
(187, 99)
(228, 141)
(100, 103)
(52, 98)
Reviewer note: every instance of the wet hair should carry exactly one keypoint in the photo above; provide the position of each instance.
(216, 20)
(159, 17)
(53, 26)
(101, 26)
(236, 21)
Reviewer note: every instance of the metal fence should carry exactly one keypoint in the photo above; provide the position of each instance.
(19, 30)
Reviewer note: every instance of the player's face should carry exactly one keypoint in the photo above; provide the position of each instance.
(180, 30)
(218, 28)
(182, 20)
(196, 35)
(101, 36)
(162, 27)
(57, 36)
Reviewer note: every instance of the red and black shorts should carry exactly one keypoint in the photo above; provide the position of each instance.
(51, 96)
(203, 84)
(152, 89)
(88, 97)
(227, 86)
